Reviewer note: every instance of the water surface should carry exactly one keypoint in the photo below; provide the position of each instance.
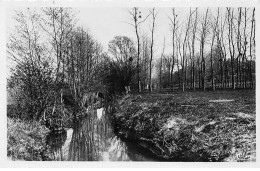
(93, 139)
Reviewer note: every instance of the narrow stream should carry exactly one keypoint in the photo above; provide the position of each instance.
(94, 140)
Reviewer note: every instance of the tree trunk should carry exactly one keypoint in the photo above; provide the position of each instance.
(204, 75)
(194, 77)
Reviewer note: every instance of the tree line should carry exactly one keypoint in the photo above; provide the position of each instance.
(212, 48)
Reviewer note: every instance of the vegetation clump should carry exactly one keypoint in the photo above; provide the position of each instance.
(26, 140)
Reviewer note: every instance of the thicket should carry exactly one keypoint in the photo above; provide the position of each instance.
(32, 89)
(26, 140)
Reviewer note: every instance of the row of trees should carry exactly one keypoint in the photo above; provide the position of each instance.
(212, 47)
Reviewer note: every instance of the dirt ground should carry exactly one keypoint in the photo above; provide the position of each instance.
(191, 126)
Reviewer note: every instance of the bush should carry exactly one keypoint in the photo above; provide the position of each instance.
(31, 87)
(26, 140)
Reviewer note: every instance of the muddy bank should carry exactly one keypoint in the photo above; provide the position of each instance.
(189, 127)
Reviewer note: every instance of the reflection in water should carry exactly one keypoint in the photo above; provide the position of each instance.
(91, 140)
(100, 113)
(56, 141)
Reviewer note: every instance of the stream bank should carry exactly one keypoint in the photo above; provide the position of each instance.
(201, 126)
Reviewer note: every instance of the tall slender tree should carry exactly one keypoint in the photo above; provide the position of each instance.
(214, 29)
(230, 19)
(184, 49)
(174, 27)
(136, 16)
(204, 32)
(153, 14)
(161, 64)
(194, 31)
(251, 45)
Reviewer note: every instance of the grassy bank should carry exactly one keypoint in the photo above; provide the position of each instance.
(191, 126)
(26, 140)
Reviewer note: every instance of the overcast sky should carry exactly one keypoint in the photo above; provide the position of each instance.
(105, 23)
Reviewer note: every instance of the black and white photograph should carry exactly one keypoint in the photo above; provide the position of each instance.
(130, 83)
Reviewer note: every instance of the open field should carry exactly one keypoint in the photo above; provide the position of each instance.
(191, 126)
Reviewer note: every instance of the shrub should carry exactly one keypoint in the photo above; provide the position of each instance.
(32, 89)
(26, 140)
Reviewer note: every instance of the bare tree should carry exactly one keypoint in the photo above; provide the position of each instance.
(244, 47)
(183, 54)
(123, 50)
(81, 71)
(251, 47)
(161, 64)
(214, 29)
(239, 44)
(58, 24)
(204, 32)
(194, 31)
(136, 16)
(174, 27)
(222, 46)
(178, 42)
(153, 14)
(230, 18)
(145, 57)
(190, 64)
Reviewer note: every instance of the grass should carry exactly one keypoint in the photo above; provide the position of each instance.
(26, 140)
(191, 126)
